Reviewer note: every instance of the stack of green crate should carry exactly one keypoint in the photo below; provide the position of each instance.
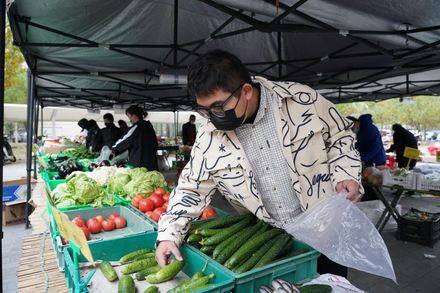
(113, 250)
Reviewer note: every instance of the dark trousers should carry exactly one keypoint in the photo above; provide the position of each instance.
(325, 265)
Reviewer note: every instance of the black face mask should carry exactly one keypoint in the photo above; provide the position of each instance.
(230, 121)
(108, 124)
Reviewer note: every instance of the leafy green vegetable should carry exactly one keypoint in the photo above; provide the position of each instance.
(117, 182)
(80, 189)
(83, 189)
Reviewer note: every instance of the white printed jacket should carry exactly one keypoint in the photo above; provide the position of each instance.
(316, 141)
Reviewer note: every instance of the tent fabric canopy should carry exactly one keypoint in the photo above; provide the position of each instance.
(94, 54)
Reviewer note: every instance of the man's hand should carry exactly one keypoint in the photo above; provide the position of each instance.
(352, 188)
(164, 250)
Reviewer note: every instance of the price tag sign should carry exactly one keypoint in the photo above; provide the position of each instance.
(411, 153)
(73, 233)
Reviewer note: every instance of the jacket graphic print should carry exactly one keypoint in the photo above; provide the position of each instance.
(316, 141)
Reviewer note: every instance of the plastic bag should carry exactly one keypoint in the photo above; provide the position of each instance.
(122, 157)
(338, 229)
(105, 154)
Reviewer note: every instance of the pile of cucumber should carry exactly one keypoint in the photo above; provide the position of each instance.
(241, 243)
(143, 264)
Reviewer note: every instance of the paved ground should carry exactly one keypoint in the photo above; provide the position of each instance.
(415, 272)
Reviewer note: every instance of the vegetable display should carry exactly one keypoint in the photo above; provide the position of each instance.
(136, 181)
(241, 243)
(98, 224)
(80, 152)
(80, 189)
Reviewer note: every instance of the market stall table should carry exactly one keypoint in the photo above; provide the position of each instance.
(390, 207)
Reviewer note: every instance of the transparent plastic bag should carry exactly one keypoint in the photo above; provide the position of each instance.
(105, 154)
(338, 229)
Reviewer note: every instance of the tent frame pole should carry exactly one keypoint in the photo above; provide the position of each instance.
(30, 121)
(2, 106)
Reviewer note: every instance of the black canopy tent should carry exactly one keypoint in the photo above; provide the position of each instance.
(98, 54)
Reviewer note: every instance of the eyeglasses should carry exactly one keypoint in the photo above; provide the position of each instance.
(217, 110)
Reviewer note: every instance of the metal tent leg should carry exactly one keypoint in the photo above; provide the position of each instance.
(30, 121)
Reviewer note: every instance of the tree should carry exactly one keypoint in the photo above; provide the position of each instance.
(15, 72)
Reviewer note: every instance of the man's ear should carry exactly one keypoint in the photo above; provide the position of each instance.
(247, 91)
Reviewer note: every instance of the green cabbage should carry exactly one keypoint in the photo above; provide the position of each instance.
(84, 189)
(117, 182)
(143, 182)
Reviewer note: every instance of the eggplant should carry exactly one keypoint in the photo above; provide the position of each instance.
(104, 163)
(56, 177)
(92, 166)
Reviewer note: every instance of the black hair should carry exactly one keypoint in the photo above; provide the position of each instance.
(109, 117)
(216, 70)
(352, 119)
(122, 122)
(192, 117)
(83, 123)
(137, 111)
(92, 123)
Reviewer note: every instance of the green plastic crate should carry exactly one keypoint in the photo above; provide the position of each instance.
(297, 269)
(135, 225)
(47, 177)
(113, 250)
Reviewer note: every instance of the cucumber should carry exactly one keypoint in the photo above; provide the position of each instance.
(294, 253)
(219, 248)
(145, 256)
(196, 225)
(126, 285)
(138, 266)
(274, 251)
(221, 222)
(166, 273)
(206, 232)
(227, 232)
(185, 283)
(252, 261)
(315, 288)
(151, 289)
(247, 249)
(140, 276)
(194, 238)
(243, 236)
(207, 249)
(132, 255)
(108, 271)
(194, 284)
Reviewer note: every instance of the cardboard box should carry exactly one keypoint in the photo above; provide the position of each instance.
(15, 211)
(16, 189)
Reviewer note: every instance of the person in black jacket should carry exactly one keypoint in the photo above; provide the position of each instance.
(140, 141)
(110, 133)
(402, 138)
(123, 126)
(189, 131)
(93, 138)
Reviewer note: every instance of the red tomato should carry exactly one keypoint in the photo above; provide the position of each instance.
(139, 196)
(100, 218)
(210, 213)
(149, 213)
(159, 211)
(113, 216)
(79, 221)
(155, 217)
(166, 196)
(108, 225)
(146, 205)
(157, 200)
(120, 222)
(94, 225)
(135, 202)
(86, 232)
(165, 205)
(160, 191)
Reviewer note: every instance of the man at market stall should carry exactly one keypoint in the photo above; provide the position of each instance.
(272, 148)
(110, 133)
(93, 138)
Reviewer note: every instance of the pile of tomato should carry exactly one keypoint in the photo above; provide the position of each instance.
(99, 223)
(157, 204)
